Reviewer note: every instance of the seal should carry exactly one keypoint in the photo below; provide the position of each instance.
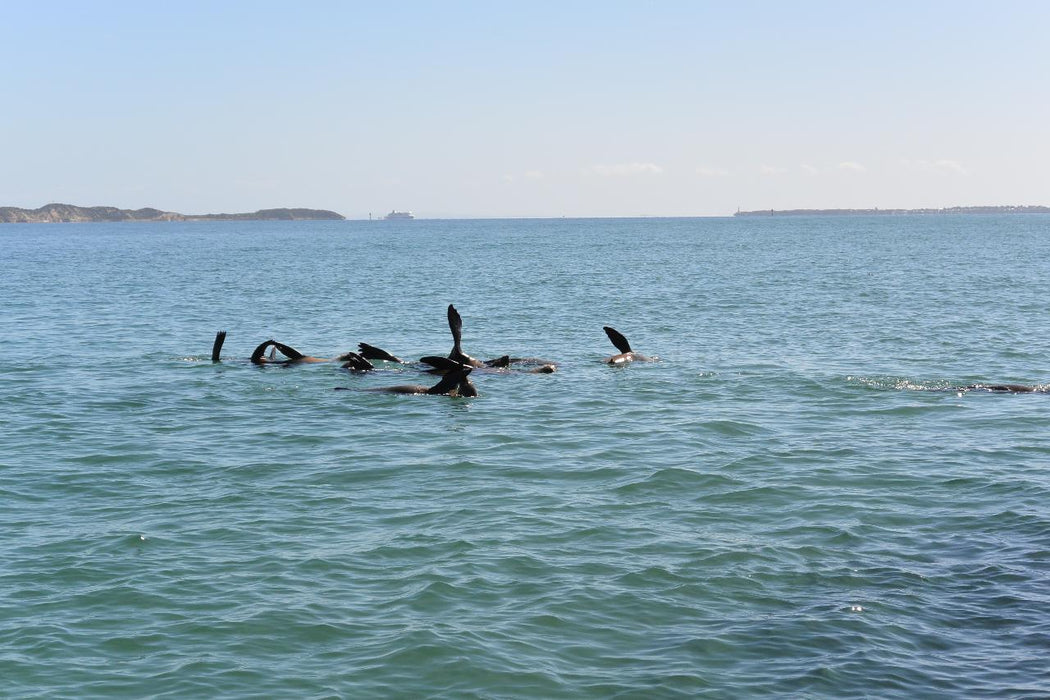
(441, 365)
(371, 352)
(455, 324)
(356, 363)
(626, 353)
(294, 357)
(455, 383)
(1008, 388)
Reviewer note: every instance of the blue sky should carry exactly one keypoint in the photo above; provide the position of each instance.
(466, 109)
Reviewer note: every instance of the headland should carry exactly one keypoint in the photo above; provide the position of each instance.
(70, 213)
(881, 212)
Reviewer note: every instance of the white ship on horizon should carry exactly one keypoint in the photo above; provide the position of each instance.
(395, 215)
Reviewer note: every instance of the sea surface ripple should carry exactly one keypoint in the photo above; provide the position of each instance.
(796, 500)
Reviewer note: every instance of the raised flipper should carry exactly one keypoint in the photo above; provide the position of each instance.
(371, 352)
(442, 364)
(259, 352)
(455, 324)
(617, 339)
(216, 347)
(288, 351)
(356, 363)
(453, 381)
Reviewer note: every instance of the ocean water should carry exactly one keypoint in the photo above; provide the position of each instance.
(793, 501)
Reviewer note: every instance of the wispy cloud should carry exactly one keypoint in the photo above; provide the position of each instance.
(531, 175)
(809, 169)
(852, 167)
(945, 166)
(624, 170)
(704, 171)
(771, 170)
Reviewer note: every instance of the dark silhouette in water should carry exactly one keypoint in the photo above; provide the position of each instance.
(455, 324)
(440, 365)
(371, 352)
(293, 356)
(216, 347)
(453, 383)
(626, 353)
(1007, 388)
(356, 363)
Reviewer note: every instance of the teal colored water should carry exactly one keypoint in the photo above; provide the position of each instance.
(793, 501)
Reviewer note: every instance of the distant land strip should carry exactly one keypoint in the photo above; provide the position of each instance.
(69, 213)
(879, 212)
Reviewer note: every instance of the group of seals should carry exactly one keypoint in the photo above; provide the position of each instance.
(455, 369)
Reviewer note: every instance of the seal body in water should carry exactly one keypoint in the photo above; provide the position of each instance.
(1008, 388)
(455, 324)
(292, 356)
(453, 383)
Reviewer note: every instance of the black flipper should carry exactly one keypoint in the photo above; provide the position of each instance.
(450, 381)
(617, 339)
(466, 388)
(371, 352)
(289, 352)
(216, 347)
(455, 324)
(257, 354)
(356, 363)
(441, 363)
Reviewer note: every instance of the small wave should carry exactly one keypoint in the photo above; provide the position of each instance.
(902, 383)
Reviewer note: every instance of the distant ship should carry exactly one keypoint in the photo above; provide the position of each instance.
(394, 215)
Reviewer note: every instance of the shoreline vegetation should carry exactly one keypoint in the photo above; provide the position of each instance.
(879, 212)
(70, 213)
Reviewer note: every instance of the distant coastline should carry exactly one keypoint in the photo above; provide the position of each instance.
(880, 212)
(69, 213)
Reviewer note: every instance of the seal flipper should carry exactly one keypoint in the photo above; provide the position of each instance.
(216, 347)
(451, 381)
(371, 352)
(443, 364)
(257, 354)
(455, 324)
(617, 339)
(288, 351)
(466, 387)
(356, 363)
